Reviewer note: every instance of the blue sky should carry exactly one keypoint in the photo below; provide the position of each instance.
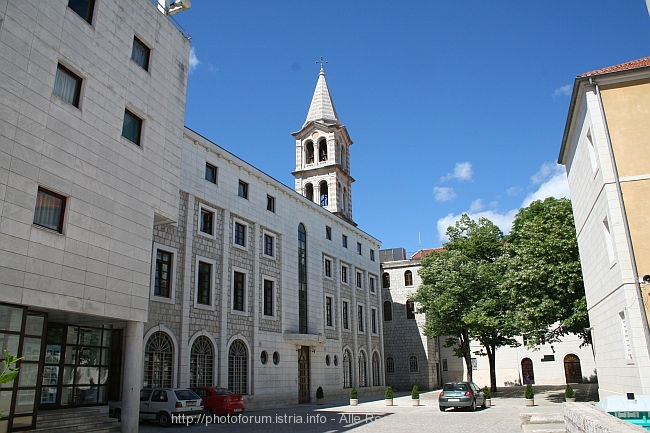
(454, 106)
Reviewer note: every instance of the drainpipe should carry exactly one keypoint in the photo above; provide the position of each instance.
(621, 203)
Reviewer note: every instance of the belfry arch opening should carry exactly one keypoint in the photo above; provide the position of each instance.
(322, 150)
(324, 199)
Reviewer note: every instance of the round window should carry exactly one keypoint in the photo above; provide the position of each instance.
(264, 357)
(276, 358)
(336, 360)
(327, 359)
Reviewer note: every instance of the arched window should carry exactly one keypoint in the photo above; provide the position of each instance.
(347, 369)
(390, 365)
(410, 310)
(309, 191)
(309, 152)
(238, 367)
(388, 311)
(322, 150)
(158, 361)
(413, 364)
(323, 193)
(302, 279)
(385, 280)
(376, 371)
(201, 362)
(363, 370)
(408, 278)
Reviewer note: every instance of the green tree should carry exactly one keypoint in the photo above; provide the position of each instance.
(8, 372)
(461, 292)
(543, 273)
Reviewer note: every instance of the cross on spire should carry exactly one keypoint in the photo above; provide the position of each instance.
(321, 61)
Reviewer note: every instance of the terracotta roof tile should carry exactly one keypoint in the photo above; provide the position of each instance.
(633, 64)
(421, 253)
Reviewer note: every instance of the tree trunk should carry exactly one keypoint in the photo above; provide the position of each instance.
(491, 353)
(467, 355)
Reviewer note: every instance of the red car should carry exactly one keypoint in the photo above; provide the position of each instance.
(220, 401)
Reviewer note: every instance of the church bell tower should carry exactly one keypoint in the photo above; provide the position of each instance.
(323, 155)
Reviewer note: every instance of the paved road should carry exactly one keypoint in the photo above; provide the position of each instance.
(373, 416)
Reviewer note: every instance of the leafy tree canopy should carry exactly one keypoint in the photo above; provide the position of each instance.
(543, 273)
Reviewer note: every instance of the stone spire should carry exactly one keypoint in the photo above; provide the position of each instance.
(321, 108)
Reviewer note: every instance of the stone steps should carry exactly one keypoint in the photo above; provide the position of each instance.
(77, 420)
(542, 423)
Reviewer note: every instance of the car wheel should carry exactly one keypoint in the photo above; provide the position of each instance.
(164, 420)
(442, 408)
(118, 414)
(472, 408)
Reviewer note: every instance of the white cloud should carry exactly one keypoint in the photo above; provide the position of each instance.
(476, 205)
(552, 182)
(563, 91)
(462, 171)
(194, 60)
(442, 193)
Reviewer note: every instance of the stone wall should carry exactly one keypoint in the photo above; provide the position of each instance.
(586, 418)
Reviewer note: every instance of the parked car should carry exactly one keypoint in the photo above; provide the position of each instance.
(159, 404)
(461, 394)
(220, 401)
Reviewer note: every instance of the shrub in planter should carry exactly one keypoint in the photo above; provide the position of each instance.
(569, 393)
(415, 394)
(389, 393)
(529, 392)
(487, 392)
(353, 393)
(319, 393)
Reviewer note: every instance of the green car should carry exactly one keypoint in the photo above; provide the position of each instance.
(461, 394)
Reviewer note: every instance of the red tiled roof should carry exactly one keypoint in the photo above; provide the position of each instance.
(633, 64)
(420, 254)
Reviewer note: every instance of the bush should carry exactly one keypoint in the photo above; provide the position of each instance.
(415, 394)
(568, 392)
(353, 393)
(389, 393)
(487, 392)
(529, 392)
(319, 392)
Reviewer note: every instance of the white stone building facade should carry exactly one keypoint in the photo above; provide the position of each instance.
(261, 289)
(92, 100)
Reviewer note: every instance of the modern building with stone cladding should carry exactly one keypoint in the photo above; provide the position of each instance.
(92, 102)
(261, 289)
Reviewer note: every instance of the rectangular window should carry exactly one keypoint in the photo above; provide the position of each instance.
(360, 317)
(204, 283)
(131, 127)
(328, 268)
(140, 53)
(238, 291)
(344, 241)
(268, 298)
(268, 245)
(444, 365)
(609, 242)
(163, 277)
(328, 311)
(50, 209)
(344, 313)
(372, 284)
(359, 280)
(372, 255)
(242, 189)
(344, 274)
(207, 222)
(240, 234)
(83, 8)
(67, 85)
(270, 203)
(328, 233)
(359, 248)
(210, 173)
(373, 320)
